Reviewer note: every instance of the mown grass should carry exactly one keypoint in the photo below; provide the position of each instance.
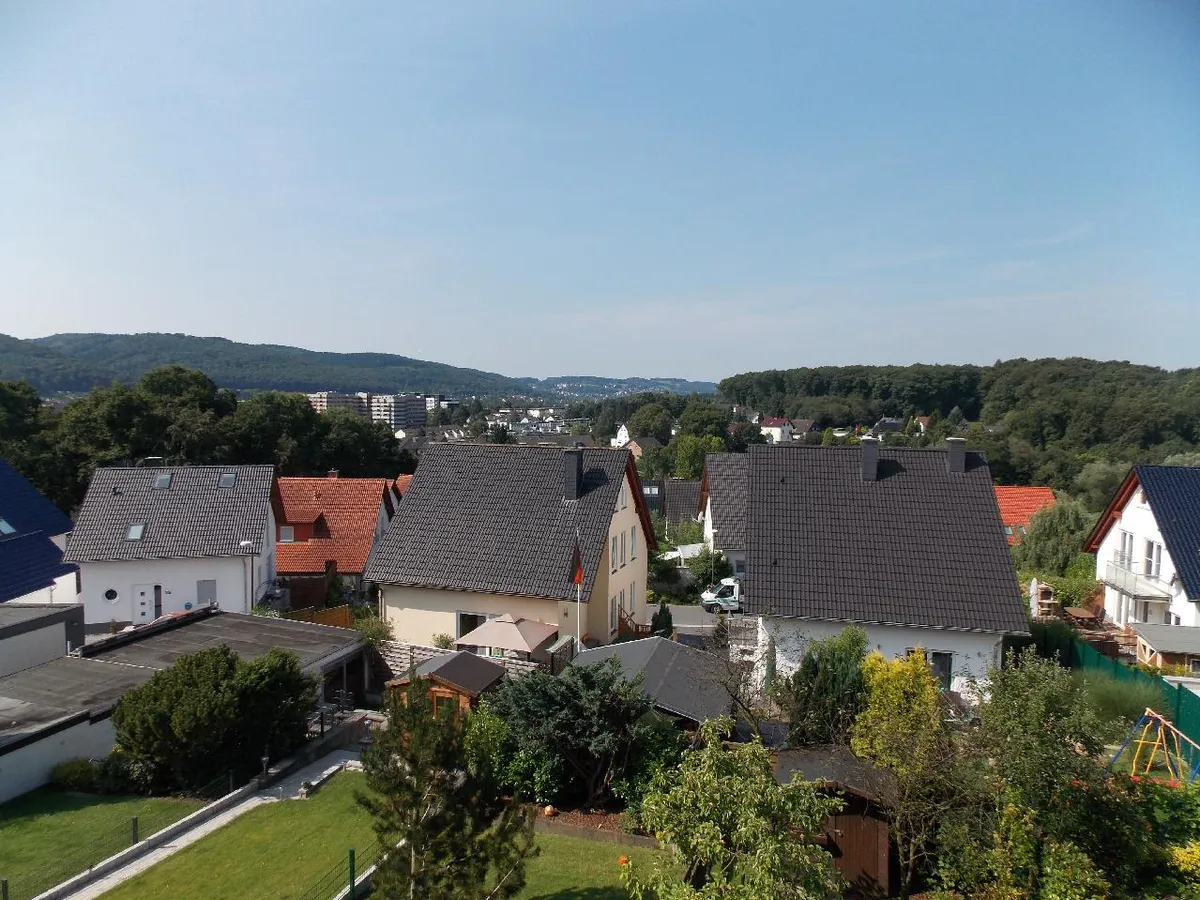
(48, 835)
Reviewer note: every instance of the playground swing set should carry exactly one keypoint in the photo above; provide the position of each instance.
(1155, 748)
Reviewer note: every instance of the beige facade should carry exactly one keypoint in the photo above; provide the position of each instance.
(417, 614)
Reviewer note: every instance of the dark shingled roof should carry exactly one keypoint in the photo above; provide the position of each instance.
(726, 480)
(681, 680)
(835, 764)
(1173, 493)
(194, 517)
(681, 500)
(493, 519)
(917, 546)
(29, 559)
(470, 673)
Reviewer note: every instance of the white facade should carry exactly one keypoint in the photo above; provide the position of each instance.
(1139, 578)
(969, 655)
(622, 437)
(61, 590)
(737, 558)
(29, 767)
(777, 434)
(138, 591)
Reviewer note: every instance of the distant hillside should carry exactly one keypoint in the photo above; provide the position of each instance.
(48, 369)
(77, 362)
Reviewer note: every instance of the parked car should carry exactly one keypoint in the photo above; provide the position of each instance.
(724, 597)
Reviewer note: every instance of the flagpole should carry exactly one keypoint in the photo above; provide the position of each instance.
(578, 597)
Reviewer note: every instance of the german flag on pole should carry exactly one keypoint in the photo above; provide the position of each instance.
(577, 567)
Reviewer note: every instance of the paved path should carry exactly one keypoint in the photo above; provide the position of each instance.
(286, 789)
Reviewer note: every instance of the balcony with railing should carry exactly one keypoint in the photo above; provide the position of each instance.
(1122, 573)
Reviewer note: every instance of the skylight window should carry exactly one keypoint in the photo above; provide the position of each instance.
(6, 529)
(135, 531)
(162, 481)
(228, 479)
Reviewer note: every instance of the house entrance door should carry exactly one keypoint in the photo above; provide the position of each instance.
(143, 599)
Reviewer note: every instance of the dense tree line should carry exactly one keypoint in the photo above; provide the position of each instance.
(181, 416)
(1052, 418)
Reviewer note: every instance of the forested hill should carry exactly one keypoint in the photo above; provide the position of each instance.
(78, 362)
(1056, 415)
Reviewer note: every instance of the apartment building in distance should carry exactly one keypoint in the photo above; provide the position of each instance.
(398, 410)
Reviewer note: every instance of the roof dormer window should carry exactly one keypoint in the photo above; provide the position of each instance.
(227, 479)
(135, 531)
(162, 481)
(6, 529)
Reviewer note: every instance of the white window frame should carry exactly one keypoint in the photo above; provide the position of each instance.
(633, 542)
(287, 534)
(632, 586)
(613, 553)
(1153, 559)
(1126, 552)
(612, 614)
(622, 549)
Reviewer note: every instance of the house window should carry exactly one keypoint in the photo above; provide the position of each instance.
(227, 479)
(632, 605)
(6, 529)
(287, 534)
(621, 600)
(624, 496)
(1175, 620)
(162, 481)
(941, 663)
(1021, 530)
(1194, 664)
(468, 622)
(739, 567)
(622, 549)
(612, 614)
(135, 531)
(1125, 554)
(633, 542)
(111, 595)
(1153, 559)
(613, 553)
(1008, 532)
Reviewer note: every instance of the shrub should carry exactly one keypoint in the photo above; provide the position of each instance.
(824, 695)
(443, 641)
(375, 631)
(1118, 704)
(112, 774)
(77, 774)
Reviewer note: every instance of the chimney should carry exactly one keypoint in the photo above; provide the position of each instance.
(332, 473)
(956, 455)
(572, 474)
(870, 458)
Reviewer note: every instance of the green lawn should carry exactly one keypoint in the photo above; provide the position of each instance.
(279, 851)
(275, 851)
(577, 869)
(47, 836)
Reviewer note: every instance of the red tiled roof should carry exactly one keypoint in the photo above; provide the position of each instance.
(350, 509)
(771, 422)
(402, 483)
(1018, 504)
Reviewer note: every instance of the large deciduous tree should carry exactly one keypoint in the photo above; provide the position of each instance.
(652, 420)
(736, 832)
(448, 831)
(702, 418)
(1055, 537)
(690, 451)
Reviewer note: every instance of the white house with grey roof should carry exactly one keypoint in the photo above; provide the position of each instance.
(905, 543)
(487, 529)
(150, 542)
(723, 506)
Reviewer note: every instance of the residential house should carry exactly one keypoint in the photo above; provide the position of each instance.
(923, 424)
(687, 684)
(1017, 506)
(776, 430)
(154, 541)
(33, 535)
(638, 446)
(805, 430)
(1147, 546)
(652, 491)
(723, 505)
(326, 528)
(904, 542)
(489, 529)
(888, 425)
(681, 500)
(1168, 645)
(456, 681)
(622, 437)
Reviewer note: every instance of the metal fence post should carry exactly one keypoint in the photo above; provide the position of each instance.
(3, 889)
(1178, 702)
(351, 873)
(134, 829)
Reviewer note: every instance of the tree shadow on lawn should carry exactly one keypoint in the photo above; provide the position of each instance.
(592, 893)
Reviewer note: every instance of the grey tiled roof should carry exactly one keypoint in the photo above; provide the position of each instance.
(399, 659)
(681, 500)
(726, 476)
(681, 680)
(492, 518)
(1173, 493)
(917, 546)
(194, 517)
(1170, 638)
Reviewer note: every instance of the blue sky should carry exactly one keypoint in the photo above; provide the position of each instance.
(620, 188)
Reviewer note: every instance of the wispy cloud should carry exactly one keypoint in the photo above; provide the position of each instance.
(1009, 270)
(900, 260)
(1063, 236)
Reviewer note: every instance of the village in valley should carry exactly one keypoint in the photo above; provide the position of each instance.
(892, 650)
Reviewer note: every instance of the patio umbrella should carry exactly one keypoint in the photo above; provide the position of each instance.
(506, 633)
